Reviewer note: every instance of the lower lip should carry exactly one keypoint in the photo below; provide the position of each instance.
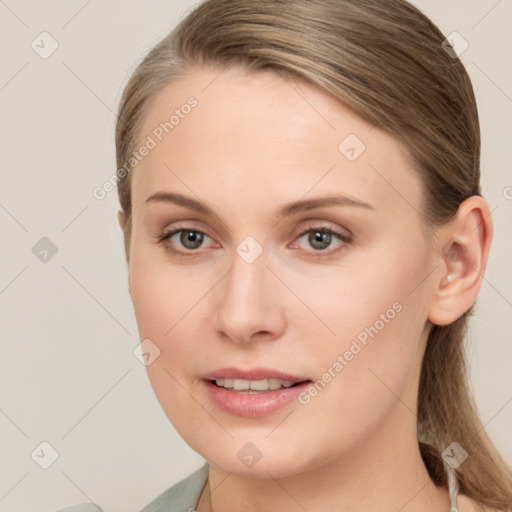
(253, 405)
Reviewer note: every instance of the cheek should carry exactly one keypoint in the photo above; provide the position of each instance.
(166, 302)
(169, 304)
(162, 293)
(364, 372)
(371, 313)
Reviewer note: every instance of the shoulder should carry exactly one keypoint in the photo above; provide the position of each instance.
(183, 495)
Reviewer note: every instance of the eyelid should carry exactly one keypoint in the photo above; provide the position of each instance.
(322, 225)
(181, 225)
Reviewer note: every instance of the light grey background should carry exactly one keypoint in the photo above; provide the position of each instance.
(68, 375)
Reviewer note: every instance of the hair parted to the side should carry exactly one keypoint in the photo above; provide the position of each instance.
(384, 59)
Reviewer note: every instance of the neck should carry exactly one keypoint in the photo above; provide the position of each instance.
(385, 472)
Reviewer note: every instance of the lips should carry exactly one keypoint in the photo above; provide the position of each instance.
(258, 373)
(253, 404)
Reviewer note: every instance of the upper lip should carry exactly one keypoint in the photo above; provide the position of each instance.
(258, 373)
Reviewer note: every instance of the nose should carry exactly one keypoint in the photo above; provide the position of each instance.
(249, 305)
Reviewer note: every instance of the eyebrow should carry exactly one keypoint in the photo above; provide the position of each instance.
(285, 211)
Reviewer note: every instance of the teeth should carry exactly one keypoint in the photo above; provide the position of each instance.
(255, 385)
(241, 385)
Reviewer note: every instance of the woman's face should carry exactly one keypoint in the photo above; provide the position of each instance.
(253, 284)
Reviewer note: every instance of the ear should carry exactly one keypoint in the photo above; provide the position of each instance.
(121, 218)
(465, 242)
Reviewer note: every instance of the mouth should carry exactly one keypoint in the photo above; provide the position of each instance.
(253, 392)
(254, 398)
(253, 387)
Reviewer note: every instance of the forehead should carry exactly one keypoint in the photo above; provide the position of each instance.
(273, 136)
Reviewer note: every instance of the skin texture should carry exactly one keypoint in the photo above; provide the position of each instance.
(254, 143)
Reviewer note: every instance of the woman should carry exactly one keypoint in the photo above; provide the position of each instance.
(306, 239)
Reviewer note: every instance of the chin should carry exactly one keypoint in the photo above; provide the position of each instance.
(254, 456)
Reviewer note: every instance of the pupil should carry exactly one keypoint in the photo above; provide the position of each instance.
(191, 239)
(319, 237)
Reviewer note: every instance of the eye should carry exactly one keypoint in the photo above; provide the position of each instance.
(189, 239)
(320, 238)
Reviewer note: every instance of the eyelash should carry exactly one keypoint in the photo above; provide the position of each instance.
(346, 239)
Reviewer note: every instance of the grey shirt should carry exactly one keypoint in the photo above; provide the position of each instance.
(184, 495)
(181, 497)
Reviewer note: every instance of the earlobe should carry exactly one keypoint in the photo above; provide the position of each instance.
(466, 241)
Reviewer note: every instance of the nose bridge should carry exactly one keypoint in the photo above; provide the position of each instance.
(246, 283)
(248, 303)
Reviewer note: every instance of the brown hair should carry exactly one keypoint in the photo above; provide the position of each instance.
(385, 60)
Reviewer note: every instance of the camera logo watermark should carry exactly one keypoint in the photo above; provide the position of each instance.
(352, 147)
(146, 352)
(44, 45)
(44, 455)
(44, 250)
(454, 455)
(249, 455)
(455, 45)
(249, 249)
